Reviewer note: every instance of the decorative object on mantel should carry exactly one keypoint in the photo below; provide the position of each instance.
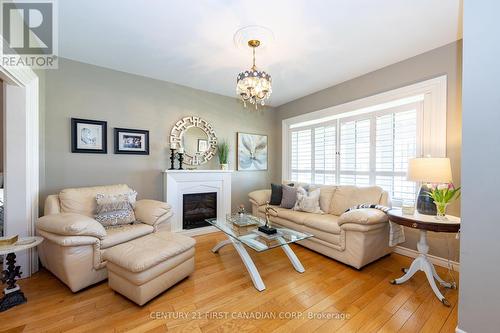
(186, 135)
(252, 152)
(223, 154)
(443, 195)
(180, 156)
(428, 171)
(89, 136)
(172, 156)
(252, 85)
(131, 141)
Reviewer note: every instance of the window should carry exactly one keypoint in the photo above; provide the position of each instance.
(367, 149)
(313, 154)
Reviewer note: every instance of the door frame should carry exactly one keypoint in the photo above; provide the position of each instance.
(21, 157)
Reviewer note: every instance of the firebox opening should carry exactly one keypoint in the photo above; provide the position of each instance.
(196, 208)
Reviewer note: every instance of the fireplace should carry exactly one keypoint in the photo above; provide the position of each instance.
(196, 208)
(177, 183)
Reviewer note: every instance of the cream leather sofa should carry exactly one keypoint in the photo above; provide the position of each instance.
(75, 243)
(355, 238)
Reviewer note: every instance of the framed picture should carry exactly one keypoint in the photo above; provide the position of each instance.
(202, 145)
(252, 152)
(89, 136)
(131, 141)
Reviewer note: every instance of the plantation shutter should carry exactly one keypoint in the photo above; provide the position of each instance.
(301, 151)
(355, 152)
(324, 154)
(396, 142)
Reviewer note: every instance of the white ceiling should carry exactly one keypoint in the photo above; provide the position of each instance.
(318, 43)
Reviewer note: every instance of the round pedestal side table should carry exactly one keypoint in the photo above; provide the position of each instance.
(425, 223)
(12, 293)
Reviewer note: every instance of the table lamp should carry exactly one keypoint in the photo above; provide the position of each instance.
(428, 171)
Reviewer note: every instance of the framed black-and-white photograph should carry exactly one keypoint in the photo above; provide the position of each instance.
(88, 136)
(131, 141)
(202, 145)
(252, 152)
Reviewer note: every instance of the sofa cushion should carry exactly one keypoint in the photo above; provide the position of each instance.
(289, 197)
(83, 200)
(331, 238)
(124, 233)
(325, 196)
(145, 252)
(347, 196)
(287, 214)
(277, 221)
(294, 216)
(325, 222)
(262, 208)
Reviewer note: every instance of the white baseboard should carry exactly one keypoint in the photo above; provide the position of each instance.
(199, 231)
(435, 260)
(458, 330)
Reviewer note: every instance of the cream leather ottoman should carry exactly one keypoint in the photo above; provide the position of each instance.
(147, 266)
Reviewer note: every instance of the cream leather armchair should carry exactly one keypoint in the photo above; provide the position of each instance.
(75, 243)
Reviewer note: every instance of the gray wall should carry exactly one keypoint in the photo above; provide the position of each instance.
(479, 305)
(1, 126)
(444, 60)
(129, 101)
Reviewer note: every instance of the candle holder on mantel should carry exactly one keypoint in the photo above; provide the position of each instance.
(181, 158)
(172, 159)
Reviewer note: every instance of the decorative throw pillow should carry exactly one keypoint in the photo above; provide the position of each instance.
(115, 209)
(289, 197)
(308, 201)
(277, 194)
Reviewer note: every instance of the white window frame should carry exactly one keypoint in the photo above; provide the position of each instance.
(433, 142)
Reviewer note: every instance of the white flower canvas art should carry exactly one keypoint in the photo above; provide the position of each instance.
(252, 152)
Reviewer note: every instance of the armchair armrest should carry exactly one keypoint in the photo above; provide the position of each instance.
(152, 212)
(259, 197)
(71, 224)
(364, 216)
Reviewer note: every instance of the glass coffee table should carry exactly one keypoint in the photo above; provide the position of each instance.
(241, 235)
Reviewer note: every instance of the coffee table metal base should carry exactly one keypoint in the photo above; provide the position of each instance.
(249, 264)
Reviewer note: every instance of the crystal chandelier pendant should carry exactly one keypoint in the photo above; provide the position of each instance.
(253, 86)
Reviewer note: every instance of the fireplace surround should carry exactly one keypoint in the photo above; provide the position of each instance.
(178, 183)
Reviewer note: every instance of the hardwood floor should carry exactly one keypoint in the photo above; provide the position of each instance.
(219, 297)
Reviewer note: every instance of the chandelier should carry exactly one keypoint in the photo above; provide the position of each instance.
(253, 86)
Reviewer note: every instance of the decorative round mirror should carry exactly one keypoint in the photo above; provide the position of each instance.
(197, 137)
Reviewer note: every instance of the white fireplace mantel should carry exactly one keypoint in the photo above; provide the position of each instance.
(179, 182)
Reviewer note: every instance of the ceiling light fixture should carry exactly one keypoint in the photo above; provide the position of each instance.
(253, 86)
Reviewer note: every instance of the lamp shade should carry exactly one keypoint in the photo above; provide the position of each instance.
(430, 170)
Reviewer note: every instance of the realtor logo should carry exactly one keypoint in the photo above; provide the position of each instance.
(29, 33)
